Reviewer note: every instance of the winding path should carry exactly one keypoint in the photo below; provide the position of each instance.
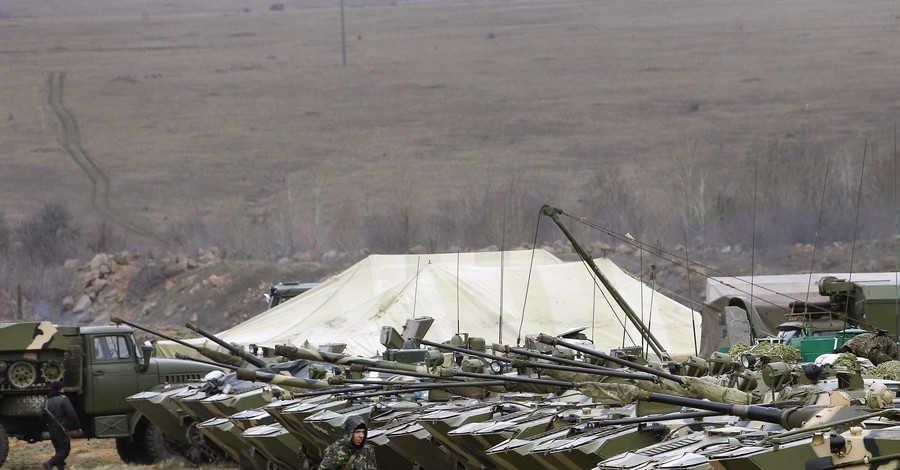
(70, 140)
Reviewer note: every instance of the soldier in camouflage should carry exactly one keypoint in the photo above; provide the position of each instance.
(877, 347)
(351, 452)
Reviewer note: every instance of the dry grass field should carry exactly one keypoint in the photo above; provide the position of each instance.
(150, 112)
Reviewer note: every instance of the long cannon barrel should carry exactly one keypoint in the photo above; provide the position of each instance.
(217, 356)
(789, 418)
(422, 375)
(582, 370)
(450, 374)
(119, 321)
(283, 380)
(233, 349)
(201, 361)
(295, 353)
(657, 347)
(581, 367)
(423, 387)
(337, 391)
(561, 360)
(553, 341)
(654, 418)
(416, 385)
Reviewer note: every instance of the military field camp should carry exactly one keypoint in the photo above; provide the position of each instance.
(449, 234)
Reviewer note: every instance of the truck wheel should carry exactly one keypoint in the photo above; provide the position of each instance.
(4, 445)
(131, 452)
(157, 448)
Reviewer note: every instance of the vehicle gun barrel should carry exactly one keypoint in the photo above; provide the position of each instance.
(654, 344)
(416, 385)
(788, 418)
(655, 418)
(360, 368)
(561, 360)
(278, 379)
(337, 391)
(553, 341)
(119, 321)
(583, 370)
(232, 348)
(424, 387)
(294, 353)
(450, 374)
(465, 351)
(201, 361)
(218, 357)
(582, 367)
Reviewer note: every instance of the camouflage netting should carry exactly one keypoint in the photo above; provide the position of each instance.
(786, 353)
(887, 370)
(847, 360)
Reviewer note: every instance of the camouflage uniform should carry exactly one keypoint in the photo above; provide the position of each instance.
(338, 454)
(877, 347)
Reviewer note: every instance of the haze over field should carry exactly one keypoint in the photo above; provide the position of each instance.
(650, 117)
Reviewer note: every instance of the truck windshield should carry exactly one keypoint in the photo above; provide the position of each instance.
(111, 348)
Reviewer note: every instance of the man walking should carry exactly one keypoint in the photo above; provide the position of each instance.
(61, 418)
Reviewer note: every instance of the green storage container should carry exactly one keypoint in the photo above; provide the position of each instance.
(814, 346)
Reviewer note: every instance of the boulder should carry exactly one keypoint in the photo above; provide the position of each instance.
(82, 304)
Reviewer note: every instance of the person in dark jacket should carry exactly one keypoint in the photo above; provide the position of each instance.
(351, 452)
(60, 420)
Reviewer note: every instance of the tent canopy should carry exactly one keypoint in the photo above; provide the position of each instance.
(462, 292)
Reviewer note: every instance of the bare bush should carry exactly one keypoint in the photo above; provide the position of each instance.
(150, 276)
(50, 235)
(103, 238)
(186, 236)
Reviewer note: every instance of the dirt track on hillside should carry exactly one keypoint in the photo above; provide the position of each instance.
(70, 140)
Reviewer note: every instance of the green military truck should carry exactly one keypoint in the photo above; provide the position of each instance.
(99, 366)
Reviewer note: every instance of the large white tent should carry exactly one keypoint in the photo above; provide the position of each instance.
(462, 292)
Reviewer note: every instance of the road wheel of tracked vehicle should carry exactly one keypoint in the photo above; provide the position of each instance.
(4, 445)
(21, 374)
(51, 371)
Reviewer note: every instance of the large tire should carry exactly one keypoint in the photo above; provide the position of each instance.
(131, 452)
(4, 445)
(157, 448)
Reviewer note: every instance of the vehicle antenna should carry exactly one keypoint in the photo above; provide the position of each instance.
(643, 347)
(537, 228)
(416, 288)
(815, 242)
(855, 227)
(457, 291)
(652, 291)
(690, 294)
(502, 251)
(897, 238)
(753, 228)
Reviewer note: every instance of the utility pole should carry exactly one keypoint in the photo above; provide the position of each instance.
(343, 38)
